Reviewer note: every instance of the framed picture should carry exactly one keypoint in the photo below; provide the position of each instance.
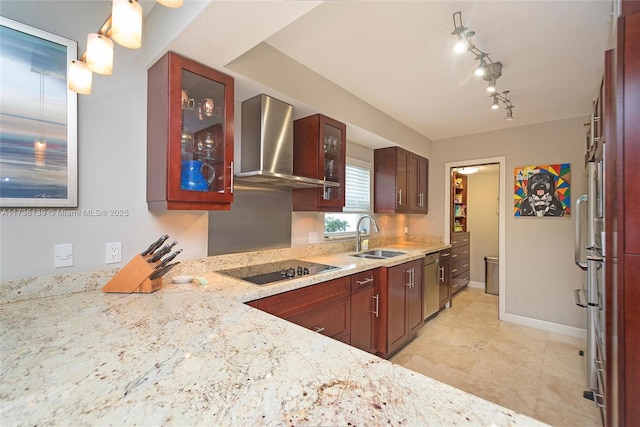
(542, 190)
(38, 117)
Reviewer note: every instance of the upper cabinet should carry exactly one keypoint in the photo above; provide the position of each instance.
(319, 151)
(401, 181)
(189, 136)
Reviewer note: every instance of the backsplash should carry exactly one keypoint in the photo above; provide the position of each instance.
(45, 286)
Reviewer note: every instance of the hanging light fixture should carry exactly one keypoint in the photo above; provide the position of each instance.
(80, 77)
(124, 26)
(171, 3)
(99, 54)
(126, 23)
(487, 69)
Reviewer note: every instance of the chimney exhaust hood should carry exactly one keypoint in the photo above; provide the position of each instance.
(266, 146)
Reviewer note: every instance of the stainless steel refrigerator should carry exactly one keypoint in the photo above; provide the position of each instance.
(589, 256)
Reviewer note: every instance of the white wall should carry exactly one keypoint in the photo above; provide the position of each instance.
(111, 163)
(540, 273)
(482, 218)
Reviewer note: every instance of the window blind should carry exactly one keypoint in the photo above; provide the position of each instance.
(358, 193)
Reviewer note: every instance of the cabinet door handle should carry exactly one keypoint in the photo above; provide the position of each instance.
(599, 365)
(231, 181)
(400, 197)
(324, 189)
(377, 310)
(365, 281)
(318, 329)
(441, 277)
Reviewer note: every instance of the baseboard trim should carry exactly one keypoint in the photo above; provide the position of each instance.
(546, 326)
(473, 284)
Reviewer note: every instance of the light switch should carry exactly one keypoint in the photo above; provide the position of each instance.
(63, 255)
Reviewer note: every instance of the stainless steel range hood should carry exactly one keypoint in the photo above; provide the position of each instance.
(266, 146)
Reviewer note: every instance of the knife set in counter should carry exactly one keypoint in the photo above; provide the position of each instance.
(144, 272)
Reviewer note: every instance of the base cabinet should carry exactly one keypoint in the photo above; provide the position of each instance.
(401, 306)
(365, 309)
(460, 260)
(378, 310)
(324, 308)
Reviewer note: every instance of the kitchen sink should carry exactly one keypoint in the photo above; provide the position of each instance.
(378, 254)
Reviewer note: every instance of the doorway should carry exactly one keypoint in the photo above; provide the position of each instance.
(501, 210)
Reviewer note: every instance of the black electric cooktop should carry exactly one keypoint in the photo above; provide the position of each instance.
(263, 274)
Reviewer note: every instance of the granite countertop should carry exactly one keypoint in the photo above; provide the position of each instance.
(195, 355)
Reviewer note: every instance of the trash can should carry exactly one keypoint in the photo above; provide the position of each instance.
(491, 275)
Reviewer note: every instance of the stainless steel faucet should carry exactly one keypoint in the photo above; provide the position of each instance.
(358, 236)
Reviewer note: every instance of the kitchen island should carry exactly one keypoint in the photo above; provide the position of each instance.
(196, 355)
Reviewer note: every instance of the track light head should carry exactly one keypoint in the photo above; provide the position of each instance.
(461, 45)
(495, 104)
(509, 115)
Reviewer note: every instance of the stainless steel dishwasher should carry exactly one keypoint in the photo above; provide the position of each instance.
(431, 302)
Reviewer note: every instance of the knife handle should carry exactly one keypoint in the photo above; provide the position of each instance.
(168, 259)
(155, 245)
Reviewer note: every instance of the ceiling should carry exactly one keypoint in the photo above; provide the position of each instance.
(397, 56)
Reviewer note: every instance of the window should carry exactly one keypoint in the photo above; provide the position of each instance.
(357, 201)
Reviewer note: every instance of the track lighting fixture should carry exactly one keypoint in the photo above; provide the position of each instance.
(487, 69)
(124, 26)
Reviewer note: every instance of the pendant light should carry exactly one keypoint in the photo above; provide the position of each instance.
(126, 23)
(171, 3)
(99, 54)
(80, 77)
(124, 26)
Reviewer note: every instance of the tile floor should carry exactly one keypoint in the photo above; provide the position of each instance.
(536, 373)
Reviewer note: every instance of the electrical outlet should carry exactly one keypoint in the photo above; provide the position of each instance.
(63, 255)
(313, 237)
(114, 252)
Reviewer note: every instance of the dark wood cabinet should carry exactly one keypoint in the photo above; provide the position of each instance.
(365, 309)
(324, 308)
(400, 306)
(319, 151)
(444, 276)
(189, 136)
(460, 260)
(401, 181)
(622, 247)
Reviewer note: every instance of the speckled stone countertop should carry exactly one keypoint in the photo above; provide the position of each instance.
(195, 355)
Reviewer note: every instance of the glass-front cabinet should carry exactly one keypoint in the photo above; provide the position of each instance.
(320, 153)
(189, 136)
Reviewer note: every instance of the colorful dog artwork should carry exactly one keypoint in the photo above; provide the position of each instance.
(542, 190)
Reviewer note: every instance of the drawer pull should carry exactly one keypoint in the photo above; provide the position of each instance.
(441, 277)
(365, 281)
(444, 254)
(465, 265)
(318, 329)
